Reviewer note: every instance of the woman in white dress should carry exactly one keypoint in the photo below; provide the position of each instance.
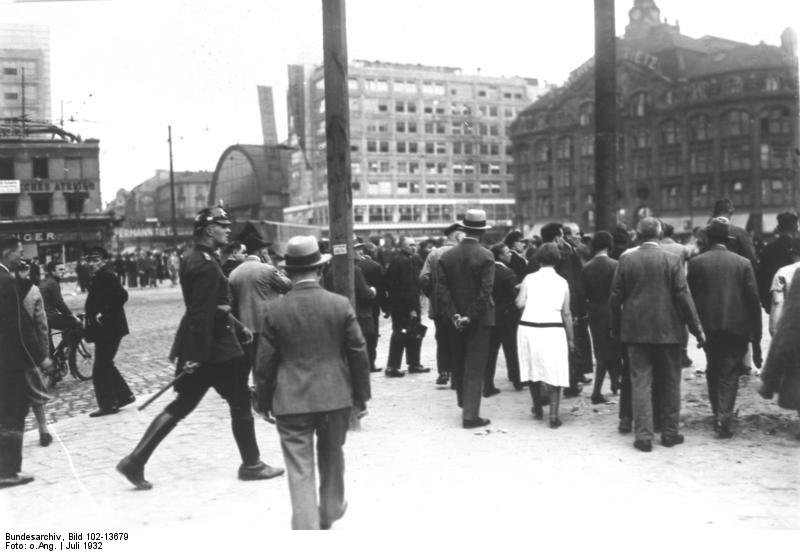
(545, 337)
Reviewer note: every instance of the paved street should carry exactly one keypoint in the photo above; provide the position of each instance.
(411, 465)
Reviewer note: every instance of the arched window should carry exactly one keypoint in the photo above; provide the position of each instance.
(700, 128)
(638, 104)
(586, 114)
(670, 132)
(735, 123)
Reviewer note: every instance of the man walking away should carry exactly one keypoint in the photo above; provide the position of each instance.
(310, 372)
(724, 289)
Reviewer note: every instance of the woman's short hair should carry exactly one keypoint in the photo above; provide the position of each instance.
(547, 255)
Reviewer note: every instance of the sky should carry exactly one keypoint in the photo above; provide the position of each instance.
(125, 70)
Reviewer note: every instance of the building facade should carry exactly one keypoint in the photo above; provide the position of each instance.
(697, 120)
(50, 196)
(426, 143)
(25, 58)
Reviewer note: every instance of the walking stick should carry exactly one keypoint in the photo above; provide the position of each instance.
(162, 391)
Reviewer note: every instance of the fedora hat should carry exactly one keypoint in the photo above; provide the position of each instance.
(474, 219)
(302, 252)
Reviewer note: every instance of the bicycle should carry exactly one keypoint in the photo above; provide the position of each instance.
(75, 357)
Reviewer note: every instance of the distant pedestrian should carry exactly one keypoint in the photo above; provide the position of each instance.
(310, 373)
(131, 271)
(106, 325)
(466, 276)
(119, 268)
(208, 353)
(173, 266)
(724, 289)
(19, 355)
(650, 302)
(504, 332)
(373, 275)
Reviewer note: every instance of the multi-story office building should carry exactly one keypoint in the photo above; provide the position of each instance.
(698, 120)
(25, 58)
(426, 143)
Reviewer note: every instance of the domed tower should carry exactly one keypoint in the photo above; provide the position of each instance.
(643, 16)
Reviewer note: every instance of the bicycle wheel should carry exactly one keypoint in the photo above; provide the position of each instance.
(81, 359)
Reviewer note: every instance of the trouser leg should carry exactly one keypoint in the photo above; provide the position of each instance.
(331, 434)
(625, 390)
(491, 359)
(13, 409)
(600, 376)
(477, 349)
(712, 380)
(297, 443)
(413, 348)
(109, 386)
(509, 340)
(231, 384)
(641, 369)
(372, 348)
(668, 363)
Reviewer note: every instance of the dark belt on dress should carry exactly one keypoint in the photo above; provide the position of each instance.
(542, 324)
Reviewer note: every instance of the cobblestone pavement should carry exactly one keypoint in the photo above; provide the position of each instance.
(410, 466)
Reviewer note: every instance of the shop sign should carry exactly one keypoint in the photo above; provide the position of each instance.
(9, 186)
(60, 237)
(34, 185)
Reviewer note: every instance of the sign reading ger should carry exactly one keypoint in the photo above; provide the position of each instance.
(9, 186)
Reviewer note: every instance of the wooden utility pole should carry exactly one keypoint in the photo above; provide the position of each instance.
(172, 188)
(605, 115)
(337, 133)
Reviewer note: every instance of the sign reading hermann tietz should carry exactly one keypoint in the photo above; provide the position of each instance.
(9, 187)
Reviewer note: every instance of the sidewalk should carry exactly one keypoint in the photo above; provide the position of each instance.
(413, 466)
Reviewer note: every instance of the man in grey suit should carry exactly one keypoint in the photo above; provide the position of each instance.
(724, 288)
(311, 369)
(466, 278)
(650, 303)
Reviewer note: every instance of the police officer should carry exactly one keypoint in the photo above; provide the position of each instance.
(207, 353)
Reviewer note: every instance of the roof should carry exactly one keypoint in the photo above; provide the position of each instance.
(741, 58)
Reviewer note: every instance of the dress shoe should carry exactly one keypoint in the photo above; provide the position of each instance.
(570, 392)
(538, 412)
(599, 399)
(518, 386)
(555, 423)
(490, 392)
(394, 373)
(478, 422)
(134, 472)
(671, 440)
(125, 402)
(724, 432)
(326, 524)
(104, 412)
(45, 439)
(374, 369)
(418, 369)
(259, 471)
(584, 380)
(625, 425)
(644, 446)
(16, 479)
(442, 379)
(686, 362)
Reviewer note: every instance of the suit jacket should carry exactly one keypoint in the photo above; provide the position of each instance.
(363, 296)
(254, 285)
(596, 277)
(650, 301)
(724, 290)
(429, 277)
(466, 278)
(402, 284)
(18, 343)
(205, 333)
(775, 255)
(373, 274)
(311, 355)
(106, 297)
(504, 292)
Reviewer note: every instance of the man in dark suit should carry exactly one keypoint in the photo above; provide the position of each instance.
(466, 276)
(106, 325)
(724, 289)
(373, 275)
(208, 353)
(310, 373)
(650, 302)
(517, 262)
(402, 301)
(596, 278)
(445, 331)
(776, 254)
(504, 332)
(18, 354)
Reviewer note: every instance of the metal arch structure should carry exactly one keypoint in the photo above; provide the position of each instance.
(12, 127)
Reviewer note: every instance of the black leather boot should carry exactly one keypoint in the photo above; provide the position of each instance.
(132, 466)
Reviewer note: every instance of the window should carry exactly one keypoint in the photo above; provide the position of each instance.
(400, 107)
(700, 161)
(433, 88)
(385, 167)
(775, 121)
(383, 107)
(775, 192)
(412, 147)
(732, 85)
(641, 166)
(484, 168)
(8, 208)
(564, 148)
(671, 164)
(587, 145)
(775, 156)
(372, 146)
(355, 168)
(736, 157)
(641, 137)
(354, 148)
(586, 114)
(411, 107)
(40, 169)
(772, 84)
(41, 203)
(400, 126)
(738, 192)
(543, 207)
(356, 185)
(405, 87)
(384, 147)
(11, 96)
(6, 168)
(9, 70)
(75, 203)
(670, 133)
(735, 123)
(401, 147)
(701, 194)
(700, 128)
(493, 111)
(563, 179)
(494, 149)
(542, 151)
(372, 166)
(413, 168)
(412, 127)
(638, 104)
(670, 197)
(352, 85)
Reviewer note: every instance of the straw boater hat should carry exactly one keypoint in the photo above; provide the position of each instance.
(302, 252)
(474, 219)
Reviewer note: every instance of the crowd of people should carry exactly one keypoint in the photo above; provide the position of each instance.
(567, 310)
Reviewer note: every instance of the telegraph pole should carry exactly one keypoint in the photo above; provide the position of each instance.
(172, 188)
(23, 101)
(337, 127)
(605, 115)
